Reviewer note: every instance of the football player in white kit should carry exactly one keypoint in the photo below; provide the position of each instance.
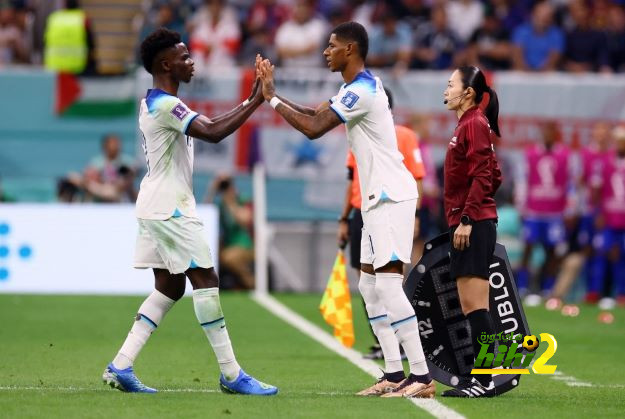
(389, 200)
(170, 238)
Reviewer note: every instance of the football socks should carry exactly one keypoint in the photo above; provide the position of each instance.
(208, 312)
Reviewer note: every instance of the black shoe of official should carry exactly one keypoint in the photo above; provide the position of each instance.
(472, 389)
(375, 352)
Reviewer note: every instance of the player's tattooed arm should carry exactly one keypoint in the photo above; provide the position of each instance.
(312, 123)
(299, 108)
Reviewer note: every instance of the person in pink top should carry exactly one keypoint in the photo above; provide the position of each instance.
(609, 243)
(595, 156)
(544, 205)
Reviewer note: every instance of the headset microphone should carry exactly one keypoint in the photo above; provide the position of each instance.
(446, 101)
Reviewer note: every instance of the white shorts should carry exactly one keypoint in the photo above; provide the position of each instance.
(387, 233)
(175, 244)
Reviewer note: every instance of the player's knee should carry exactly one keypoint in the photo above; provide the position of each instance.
(367, 290)
(178, 293)
(385, 290)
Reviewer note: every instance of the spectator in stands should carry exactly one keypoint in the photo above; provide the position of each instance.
(109, 177)
(14, 46)
(436, 47)
(4, 197)
(538, 44)
(464, 17)
(585, 47)
(266, 16)
(236, 251)
(489, 47)
(362, 11)
(166, 14)
(262, 23)
(299, 40)
(511, 13)
(214, 35)
(69, 41)
(615, 35)
(389, 43)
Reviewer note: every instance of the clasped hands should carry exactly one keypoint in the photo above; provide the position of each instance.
(263, 88)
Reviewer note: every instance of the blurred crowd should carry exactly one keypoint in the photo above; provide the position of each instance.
(526, 35)
(561, 214)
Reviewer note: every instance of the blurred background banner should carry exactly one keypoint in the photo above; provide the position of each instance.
(526, 100)
(70, 249)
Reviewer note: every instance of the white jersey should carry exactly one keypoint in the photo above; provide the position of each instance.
(363, 106)
(167, 189)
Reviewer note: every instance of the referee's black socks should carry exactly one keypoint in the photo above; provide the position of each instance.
(480, 322)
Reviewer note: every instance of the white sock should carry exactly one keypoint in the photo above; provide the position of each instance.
(403, 319)
(211, 318)
(380, 324)
(148, 318)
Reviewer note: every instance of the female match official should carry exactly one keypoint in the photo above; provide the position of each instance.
(472, 176)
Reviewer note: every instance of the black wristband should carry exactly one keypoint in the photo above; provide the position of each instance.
(343, 219)
(466, 220)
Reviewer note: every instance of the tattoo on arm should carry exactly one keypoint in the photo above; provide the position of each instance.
(311, 126)
(299, 108)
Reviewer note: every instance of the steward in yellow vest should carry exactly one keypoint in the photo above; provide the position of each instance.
(66, 47)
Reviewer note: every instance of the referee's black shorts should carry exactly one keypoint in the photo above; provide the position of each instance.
(355, 235)
(474, 261)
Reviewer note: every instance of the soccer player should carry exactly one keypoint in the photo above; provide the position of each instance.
(472, 176)
(389, 200)
(595, 157)
(548, 183)
(350, 228)
(610, 240)
(170, 238)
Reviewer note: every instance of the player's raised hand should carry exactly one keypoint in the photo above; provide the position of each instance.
(256, 93)
(266, 75)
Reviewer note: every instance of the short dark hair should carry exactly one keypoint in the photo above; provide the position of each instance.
(354, 31)
(159, 40)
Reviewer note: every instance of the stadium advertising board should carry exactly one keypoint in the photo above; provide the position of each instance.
(77, 249)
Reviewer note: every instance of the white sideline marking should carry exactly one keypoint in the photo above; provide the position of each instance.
(570, 380)
(432, 406)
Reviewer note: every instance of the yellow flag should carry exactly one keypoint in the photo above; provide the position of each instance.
(336, 303)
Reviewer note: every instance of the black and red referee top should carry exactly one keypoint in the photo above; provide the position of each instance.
(472, 174)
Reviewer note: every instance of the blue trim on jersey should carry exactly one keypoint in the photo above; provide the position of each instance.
(192, 264)
(384, 197)
(211, 322)
(148, 320)
(176, 213)
(336, 111)
(396, 324)
(364, 79)
(186, 125)
(152, 98)
(394, 257)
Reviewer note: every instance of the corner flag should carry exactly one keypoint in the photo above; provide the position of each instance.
(336, 303)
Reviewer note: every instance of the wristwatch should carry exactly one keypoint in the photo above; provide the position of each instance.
(466, 220)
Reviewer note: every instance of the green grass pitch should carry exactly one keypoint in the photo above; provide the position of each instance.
(54, 349)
